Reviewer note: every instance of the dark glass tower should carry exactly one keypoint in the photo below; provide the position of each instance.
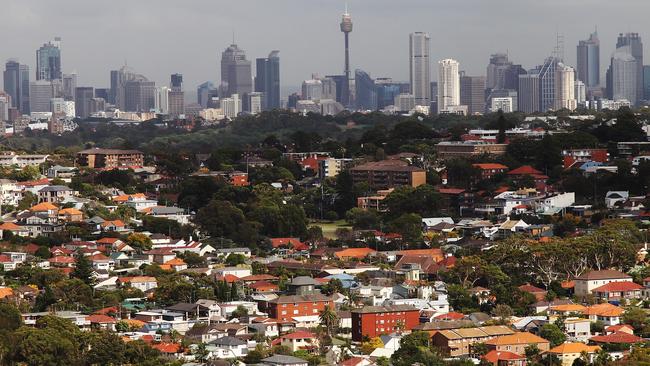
(267, 80)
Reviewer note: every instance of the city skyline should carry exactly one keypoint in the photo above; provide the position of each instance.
(138, 38)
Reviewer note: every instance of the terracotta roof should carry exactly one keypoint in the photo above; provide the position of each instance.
(530, 288)
(488, 166)
(495, 356)
(568, 308)
(116, 223)
(525, 170)
(354, 361)
(175, 262)
(167, 347)
(5, 258)
(576, 347)
(434, 252)
(299, 335)
(9, 226)
(263, 285)
(604, 309)
(5, 291)
(70, 211)
(450, 316)
(617, 337)
(100, 319)
(229, 278)
(606, 274)
(259, 277)
(516, 338)
(285, 242)
(354, 253)
(137, 279)
(43, 206)
(107, 240)
(618, 327)
(618, 287)
(61, 259)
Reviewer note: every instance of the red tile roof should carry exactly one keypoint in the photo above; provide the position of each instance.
(299, 335)
(617, 337)
(525, 170)
(530, 288)
(167, 347)
(450, 316)
(618, 287)
(488, 166)
(100, 319)
(495, 356)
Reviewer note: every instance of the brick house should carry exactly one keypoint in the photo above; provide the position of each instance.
(285, 308)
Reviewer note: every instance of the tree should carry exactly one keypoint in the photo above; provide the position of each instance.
(201, 353)
(504, 312)
(409, 226)
(139, 241)
(636, 317)
(10, 318)
(553, 334)
(371, 345)
(83, 269)
(329, 320)
(235, 259)
(29, 199)
(548, 155)
(105, 348)
(502, 124)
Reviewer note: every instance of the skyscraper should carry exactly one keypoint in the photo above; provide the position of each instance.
(346, 28)
(236, 77)
(365, 91)
(140, 95)
(646, 82)
(633, 40)
(528, 92)
(176, 96)
(205, 92)
(472, 93)
(48, 61)
(419, 68)
(162, 100)
(448, 84)
(69, 86)
(580, 92)
(24, 89)
(12, 82)
(624, 75)
(40, 94)
(547, 83)
(588, 65)
(267, 80)
(496, 71)
(564, 88)
(83, 99)
(176, 82)
(387, 90)
(119, 78)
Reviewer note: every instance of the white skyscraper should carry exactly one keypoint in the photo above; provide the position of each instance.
(448, 84)
(162, 100)
(231, 106)
(565, 88)
(312, 89)
(580, 92)
(419, 68)
(624, 75)
(64, 107)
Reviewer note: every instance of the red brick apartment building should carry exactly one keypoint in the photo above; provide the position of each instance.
(373, 321)
(286, 307)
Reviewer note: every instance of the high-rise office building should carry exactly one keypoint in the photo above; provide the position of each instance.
(119, 78)
(140, 95)
(176, 96)
(496, 71)
(564, 88)
(588, 65)
(404, 102)
(12, 82)
(162, 100)
(5, 105)
(312, 89)
(231, 106)
(176, 82)
(448, 84)
(267, 80)
(624, 75)
(547, 83)
(646, 82)
(365, 91)
(24, 89)
(253, 103)
(69, 84)
(472, 93)
(387, 90)
(40, 94)
(580, 92)
(236, 77)
(419, 68)
(48, 61)
(633, 41)
(205, 92)
(102, 93)
(83, 100)
(528, 92)
(346, 28)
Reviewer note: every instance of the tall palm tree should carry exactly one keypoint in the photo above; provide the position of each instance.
(329, 319)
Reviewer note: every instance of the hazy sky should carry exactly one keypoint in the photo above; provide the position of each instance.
(160, 37)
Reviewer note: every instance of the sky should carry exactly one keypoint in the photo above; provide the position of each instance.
(159, 37)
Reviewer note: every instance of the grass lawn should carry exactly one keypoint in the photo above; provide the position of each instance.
(329, 227)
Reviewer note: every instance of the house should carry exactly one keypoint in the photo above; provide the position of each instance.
(225, 252)
(618, 291)
(6, 263)
(228, 347)
(373, 321)
(282, 360)
(175, 264)
(517, 343)
(70, 215)
(588, 281)
(101, 322)
(528, 172)
(489, 170)
(621, 338)
(354, 253)
(458, 342)
(142, 283)
(504, 358)
(288, 243)
(607, 313)
(614, 197)
(577, 329)
(14, 229)
(55, 194)
(568, 352)
(540, 294)
(300, 340)
(113, 225)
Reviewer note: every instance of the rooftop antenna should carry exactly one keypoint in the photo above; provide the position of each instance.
(346, 8)
(233, 37)
(558, 51)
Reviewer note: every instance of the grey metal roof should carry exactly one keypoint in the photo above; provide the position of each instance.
(283, 360)
(228, 341)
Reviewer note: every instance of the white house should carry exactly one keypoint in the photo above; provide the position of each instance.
(588, 281)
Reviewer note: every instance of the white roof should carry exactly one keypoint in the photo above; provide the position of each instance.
(433, 221)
